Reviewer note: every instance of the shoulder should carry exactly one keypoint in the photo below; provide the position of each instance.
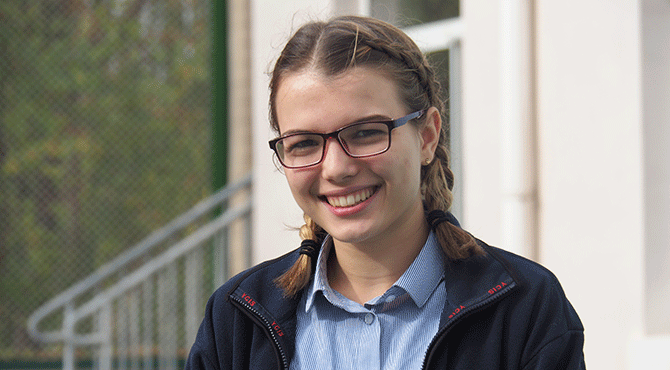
(545, 320)
(549, 325)
(257, 280)
(472, 278)
(524, 271)
(538, 286)
(225, 325)
(535, 293)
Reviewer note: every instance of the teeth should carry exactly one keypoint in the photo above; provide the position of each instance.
(351, 199)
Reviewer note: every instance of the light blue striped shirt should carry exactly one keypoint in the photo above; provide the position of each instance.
(391, 331)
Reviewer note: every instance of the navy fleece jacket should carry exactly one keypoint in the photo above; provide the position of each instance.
(502, 312)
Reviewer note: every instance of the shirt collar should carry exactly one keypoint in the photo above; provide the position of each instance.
(419, 280)
(425, 273)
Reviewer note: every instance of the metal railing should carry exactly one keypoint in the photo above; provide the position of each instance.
(142, 310)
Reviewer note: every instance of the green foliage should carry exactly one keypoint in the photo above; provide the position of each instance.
(429, 10)
(104, 136)
(406, 13)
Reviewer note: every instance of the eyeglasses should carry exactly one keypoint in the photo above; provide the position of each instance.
(359, 140)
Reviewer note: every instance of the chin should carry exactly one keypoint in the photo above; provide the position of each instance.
(356, 234)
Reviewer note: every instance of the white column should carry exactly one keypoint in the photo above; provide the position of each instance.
(518, 171)
(650, 350)
(591, 166)
(347, 7)
(656, 78)
(481, 144)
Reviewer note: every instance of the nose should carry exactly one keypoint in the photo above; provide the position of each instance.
(337, 165)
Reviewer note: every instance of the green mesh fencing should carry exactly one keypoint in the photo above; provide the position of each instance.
(104, 137)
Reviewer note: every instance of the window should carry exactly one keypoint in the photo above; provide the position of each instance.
(435, 26)
(404, 13)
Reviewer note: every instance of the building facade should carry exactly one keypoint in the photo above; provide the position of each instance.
(562, 136)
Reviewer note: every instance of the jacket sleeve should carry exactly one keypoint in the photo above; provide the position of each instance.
(562, 353)
(198, 360)
(203, 350)
(556, 334)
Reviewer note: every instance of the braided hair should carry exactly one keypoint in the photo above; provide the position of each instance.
(335, 47)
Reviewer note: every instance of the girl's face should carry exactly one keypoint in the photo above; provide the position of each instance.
(361, 201)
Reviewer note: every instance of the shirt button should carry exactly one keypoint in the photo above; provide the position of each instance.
(369, 318)
(390, 299)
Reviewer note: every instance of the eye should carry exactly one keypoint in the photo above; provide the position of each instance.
(362, 134)
(366, 133)
(297, 145)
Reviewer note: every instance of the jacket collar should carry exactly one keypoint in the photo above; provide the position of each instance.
(470, 283)
(419, 281)
(273, 309)
(474, 282)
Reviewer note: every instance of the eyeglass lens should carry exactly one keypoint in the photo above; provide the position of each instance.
(359, 140)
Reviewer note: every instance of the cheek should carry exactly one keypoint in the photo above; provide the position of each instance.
(400, 168)
(300, 182)
(407, 159)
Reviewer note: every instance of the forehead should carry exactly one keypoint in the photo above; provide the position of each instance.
(311, 101)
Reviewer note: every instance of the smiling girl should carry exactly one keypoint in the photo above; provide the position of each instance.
(385, 278)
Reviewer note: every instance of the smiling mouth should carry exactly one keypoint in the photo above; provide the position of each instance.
(351, 199)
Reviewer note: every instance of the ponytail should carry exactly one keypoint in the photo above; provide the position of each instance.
(297, 277)
(438, 181)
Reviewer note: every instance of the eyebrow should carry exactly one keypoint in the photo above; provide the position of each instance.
(371, 118)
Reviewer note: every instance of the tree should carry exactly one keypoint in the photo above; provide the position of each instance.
(104, 133)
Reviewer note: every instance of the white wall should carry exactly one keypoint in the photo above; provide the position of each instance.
(602, 88)
(591, 166)
(481, 144)
(601, 82)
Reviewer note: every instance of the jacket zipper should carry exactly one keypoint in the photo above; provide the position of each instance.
(471, 309)
(264, 323)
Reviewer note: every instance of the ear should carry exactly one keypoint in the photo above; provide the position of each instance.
(430, 134)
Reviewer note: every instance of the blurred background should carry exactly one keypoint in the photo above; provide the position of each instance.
(135, 176)
(105, 136)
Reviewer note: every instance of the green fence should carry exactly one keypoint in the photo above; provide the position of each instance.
(104, 136)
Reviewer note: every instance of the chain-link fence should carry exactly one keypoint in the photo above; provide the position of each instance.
(104, 137)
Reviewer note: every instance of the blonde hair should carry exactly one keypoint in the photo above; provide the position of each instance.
(333, 48)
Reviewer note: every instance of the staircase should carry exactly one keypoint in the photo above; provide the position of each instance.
(142, 310)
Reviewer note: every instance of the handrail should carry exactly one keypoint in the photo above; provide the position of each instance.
(178, 250)
(65, 298)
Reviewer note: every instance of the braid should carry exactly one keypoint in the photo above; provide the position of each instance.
(438, 181)
(420, 88)
(437, 178)
(297, 277)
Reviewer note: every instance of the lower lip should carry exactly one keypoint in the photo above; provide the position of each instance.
(348, 211)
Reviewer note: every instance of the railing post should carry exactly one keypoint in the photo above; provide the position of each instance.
(220, 260)
(193, 293)
(121, 326)
(167, 317)
(68, 337)
(134, 329)
(105, 328)
(148, 319)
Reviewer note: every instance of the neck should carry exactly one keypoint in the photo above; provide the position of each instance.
(361, 272)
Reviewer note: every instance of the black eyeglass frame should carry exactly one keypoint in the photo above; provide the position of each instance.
(336, 134)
